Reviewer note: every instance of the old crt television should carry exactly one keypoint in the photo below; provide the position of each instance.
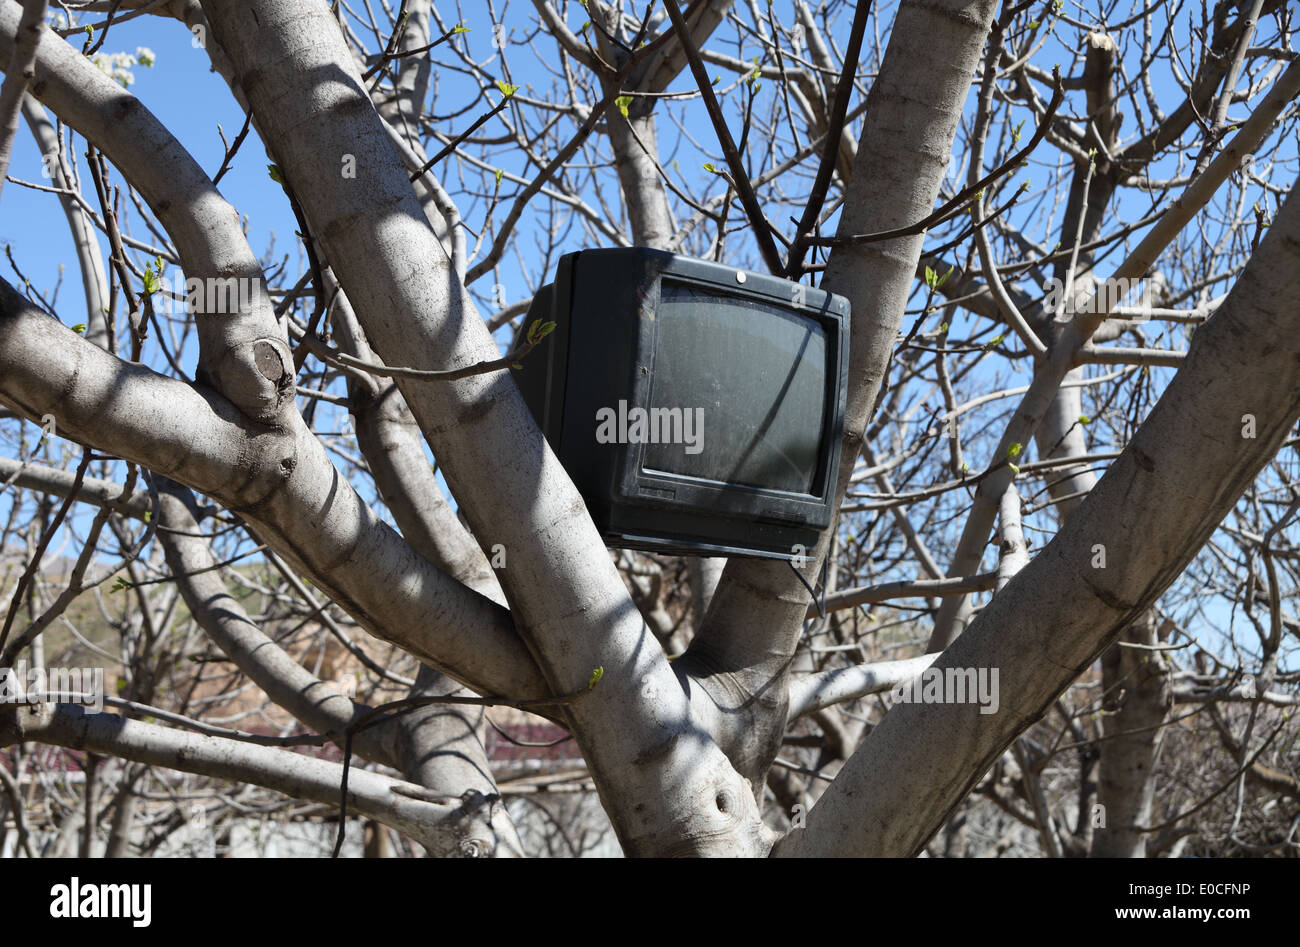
(698, 408)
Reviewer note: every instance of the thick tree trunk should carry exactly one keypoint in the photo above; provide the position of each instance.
(636, 151)
(1138, 698)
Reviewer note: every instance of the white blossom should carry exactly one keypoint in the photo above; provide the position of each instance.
(118, 66)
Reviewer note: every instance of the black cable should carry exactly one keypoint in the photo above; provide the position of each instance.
(819, 602)
(343, 802)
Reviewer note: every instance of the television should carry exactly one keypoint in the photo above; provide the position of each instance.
(697, 407)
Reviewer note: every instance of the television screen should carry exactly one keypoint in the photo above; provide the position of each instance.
(710, 348)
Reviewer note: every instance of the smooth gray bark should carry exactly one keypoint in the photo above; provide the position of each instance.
(1138, 699)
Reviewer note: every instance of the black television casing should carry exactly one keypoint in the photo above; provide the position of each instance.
(602, 350)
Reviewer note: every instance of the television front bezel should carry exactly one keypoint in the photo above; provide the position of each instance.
(587, 364)
(636, 484)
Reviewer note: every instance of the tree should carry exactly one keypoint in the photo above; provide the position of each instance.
(509, 597)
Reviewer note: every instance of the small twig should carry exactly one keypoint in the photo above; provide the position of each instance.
(313, 263)
(831, 147)
(231, 149)
(399, 27)
(451, 145)
(390, 54)
(117, 259)
(748, 199)
(340, 359)
(103, 33)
